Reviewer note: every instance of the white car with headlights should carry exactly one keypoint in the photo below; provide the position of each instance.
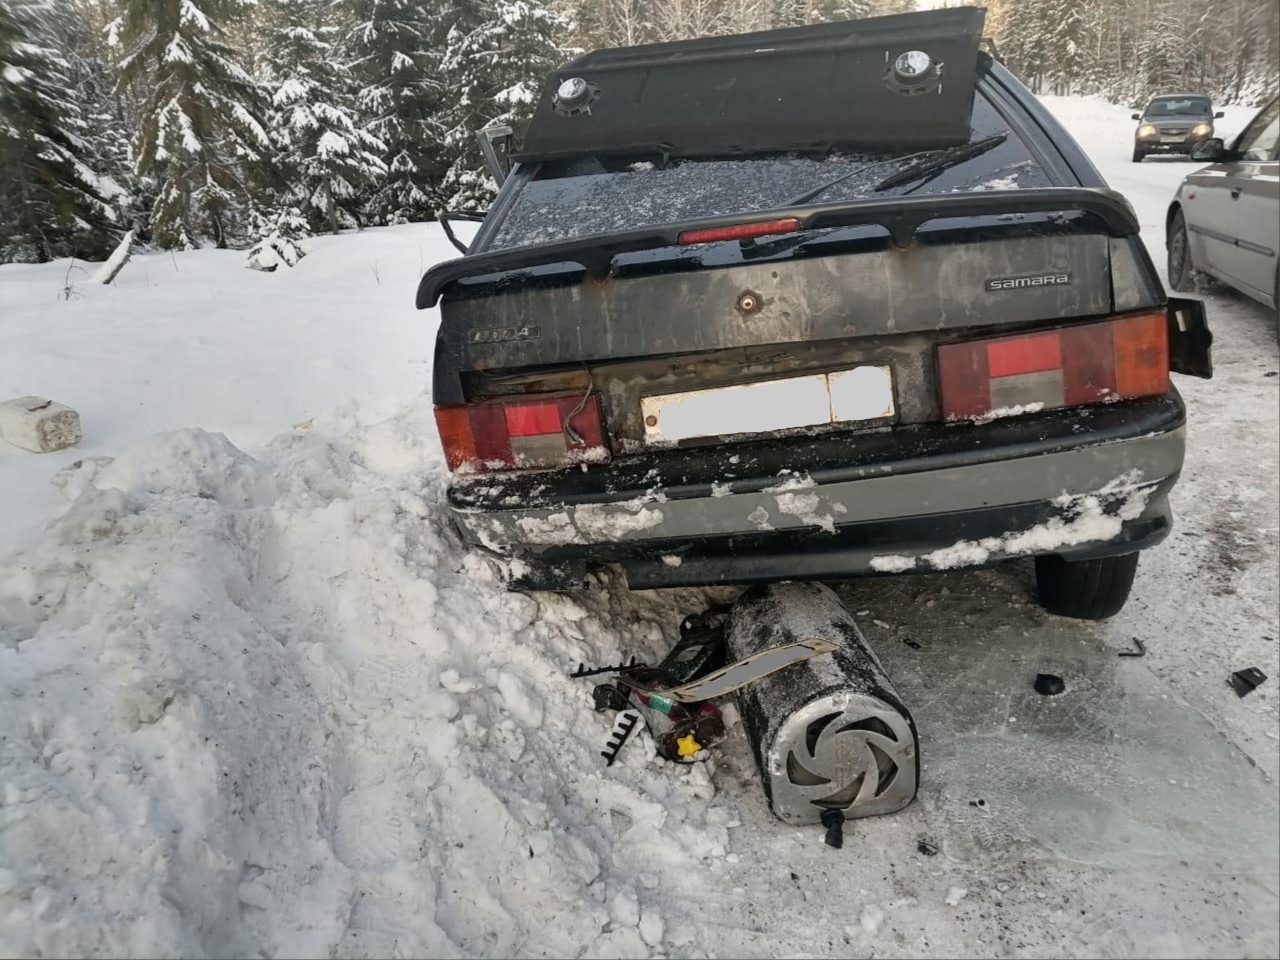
(1173, 124)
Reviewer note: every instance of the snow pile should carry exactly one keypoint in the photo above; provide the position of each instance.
(270, 707)
(1000, 413)
(195, 339)
(805, 506)
(1086, 517)
(590, 523)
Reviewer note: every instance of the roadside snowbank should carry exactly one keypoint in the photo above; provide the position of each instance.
(249, 688)
(194, 338)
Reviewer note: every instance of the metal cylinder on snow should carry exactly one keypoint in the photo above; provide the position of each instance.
(829, 733)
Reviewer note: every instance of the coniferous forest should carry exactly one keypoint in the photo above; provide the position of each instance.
(219, 122)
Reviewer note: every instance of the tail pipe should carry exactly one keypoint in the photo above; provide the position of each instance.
(830, 734)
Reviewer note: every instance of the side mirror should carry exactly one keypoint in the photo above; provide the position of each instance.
(1210, 151)
(1219, 115)
(495, 145)
(1137, 116)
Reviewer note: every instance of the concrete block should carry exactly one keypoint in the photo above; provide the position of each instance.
(39, 425)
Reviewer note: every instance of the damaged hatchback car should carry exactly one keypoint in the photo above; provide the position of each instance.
(809, 304)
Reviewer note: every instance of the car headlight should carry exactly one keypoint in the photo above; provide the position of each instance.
(1202, 130)
(1147, 130)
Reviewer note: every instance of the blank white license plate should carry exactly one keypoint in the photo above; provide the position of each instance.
(1176, 138)
(863, 393)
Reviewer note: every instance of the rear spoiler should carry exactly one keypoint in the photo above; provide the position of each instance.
(901, 216)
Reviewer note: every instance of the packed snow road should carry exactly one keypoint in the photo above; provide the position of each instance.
(256, 700)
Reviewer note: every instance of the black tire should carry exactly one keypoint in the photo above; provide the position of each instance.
(1085, 589)
(1181, 269)
(1277, 305)
(1138, 155)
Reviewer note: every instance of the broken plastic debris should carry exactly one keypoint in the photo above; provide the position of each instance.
(622, 728)
(833, 820)
(585, 671)
(1049, 685)
(1244, 682)
(1139, 650)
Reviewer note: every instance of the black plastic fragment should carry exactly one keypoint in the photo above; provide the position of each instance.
(608, 697)
(1049, 685)
(833, 820)
(1244, 682)
(585, 671)
(1140, 649)
(927, 848)
(701, 647)
(622, 729)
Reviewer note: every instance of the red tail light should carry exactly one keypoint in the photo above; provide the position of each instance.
(741, 231)
(1095, 363)
(547, 432)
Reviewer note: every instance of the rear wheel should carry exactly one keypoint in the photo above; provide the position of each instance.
(1181, 270)
(1276, 304)
(1085, 589)
(1137, 155)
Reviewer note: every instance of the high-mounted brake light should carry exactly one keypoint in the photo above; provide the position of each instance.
(500, 435)
(740, 231)
(1119, 359)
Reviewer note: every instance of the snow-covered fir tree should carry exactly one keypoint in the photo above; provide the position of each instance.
(52, 202)
(794, 13)
(201, 136)
(496, 54)
(388, 50)
(327, 161)
(108, 116)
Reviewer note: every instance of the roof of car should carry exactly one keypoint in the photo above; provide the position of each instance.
(1181, 96)
(804, 88)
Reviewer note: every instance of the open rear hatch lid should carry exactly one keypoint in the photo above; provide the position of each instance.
(905, 80)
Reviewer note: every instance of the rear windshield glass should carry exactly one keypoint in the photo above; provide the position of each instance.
(589, 195)
(1179, 107)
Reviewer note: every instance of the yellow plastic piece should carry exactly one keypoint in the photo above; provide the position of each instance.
(687, 746)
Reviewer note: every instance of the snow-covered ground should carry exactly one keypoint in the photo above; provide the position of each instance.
(256, 700)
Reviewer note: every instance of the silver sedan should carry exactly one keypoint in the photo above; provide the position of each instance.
(1224, 220)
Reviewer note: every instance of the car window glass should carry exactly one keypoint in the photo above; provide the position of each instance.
(586, 196)
(1175, 107)
(1258, 142)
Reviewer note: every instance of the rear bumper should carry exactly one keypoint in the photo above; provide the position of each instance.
(1085, 482)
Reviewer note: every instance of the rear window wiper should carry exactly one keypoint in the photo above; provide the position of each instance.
(942, 161)
(824, 187)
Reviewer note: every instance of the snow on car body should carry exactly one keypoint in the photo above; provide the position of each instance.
(783, 304)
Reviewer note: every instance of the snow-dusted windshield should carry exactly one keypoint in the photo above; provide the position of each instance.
(592, 195)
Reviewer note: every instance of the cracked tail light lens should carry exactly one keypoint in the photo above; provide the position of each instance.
(1119, 359)
(543, 433)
